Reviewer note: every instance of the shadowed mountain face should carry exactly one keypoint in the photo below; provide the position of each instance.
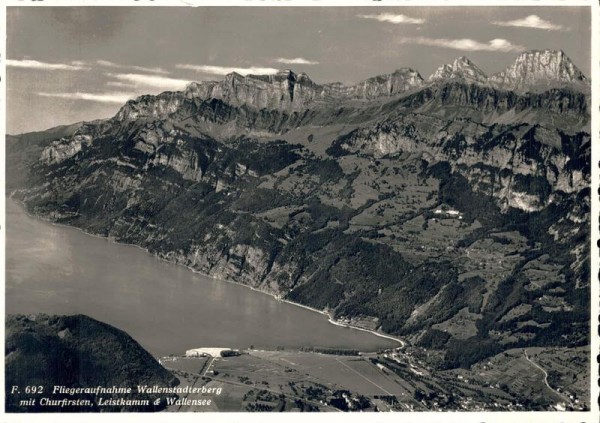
(75, 351)
(457, 206)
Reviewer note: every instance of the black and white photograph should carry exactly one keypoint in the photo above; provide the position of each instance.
(300, 207)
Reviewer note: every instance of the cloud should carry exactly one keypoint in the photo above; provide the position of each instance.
(120, 84)
(140, 80)
(497, 44)
(100, 98)
(296, 61)
(34, 64)
(224, 70)
(531, 21)
(109, 64)
(395, 19)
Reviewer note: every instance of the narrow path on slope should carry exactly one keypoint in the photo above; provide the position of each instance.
(546, 379)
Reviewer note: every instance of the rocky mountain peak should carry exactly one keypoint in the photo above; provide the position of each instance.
(461, 68)
(288, 73)
(303, 77)
(539, 67)
(399, 81)
(410, 72)
(234, 76)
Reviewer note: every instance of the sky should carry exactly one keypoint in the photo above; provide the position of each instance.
(68, 64)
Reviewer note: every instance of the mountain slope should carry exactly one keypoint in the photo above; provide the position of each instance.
(75, 351)
(395, 204)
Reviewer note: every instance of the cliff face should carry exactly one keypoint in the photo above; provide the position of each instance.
(285, 91)
(495, 159)
(545, 67)
(400, 81)
(394, 198)
(157, 107)
(65, 148)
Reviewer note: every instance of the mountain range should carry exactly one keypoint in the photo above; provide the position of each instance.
(289, 91)
(452, 211)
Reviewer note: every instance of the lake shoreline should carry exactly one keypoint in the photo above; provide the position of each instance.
(329, 317)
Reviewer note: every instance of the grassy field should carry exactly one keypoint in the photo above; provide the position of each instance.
(282, 380)
(519, 379)
(521, 376)
(461, 326)
(192, 365)
(352, 373)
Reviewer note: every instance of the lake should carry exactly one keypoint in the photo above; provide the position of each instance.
(166, 308)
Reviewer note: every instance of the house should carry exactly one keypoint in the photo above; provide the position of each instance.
(208, 352)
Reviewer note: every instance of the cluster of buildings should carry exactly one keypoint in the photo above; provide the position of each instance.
(211, 352)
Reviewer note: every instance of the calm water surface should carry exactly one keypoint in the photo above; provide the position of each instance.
(166, 308)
